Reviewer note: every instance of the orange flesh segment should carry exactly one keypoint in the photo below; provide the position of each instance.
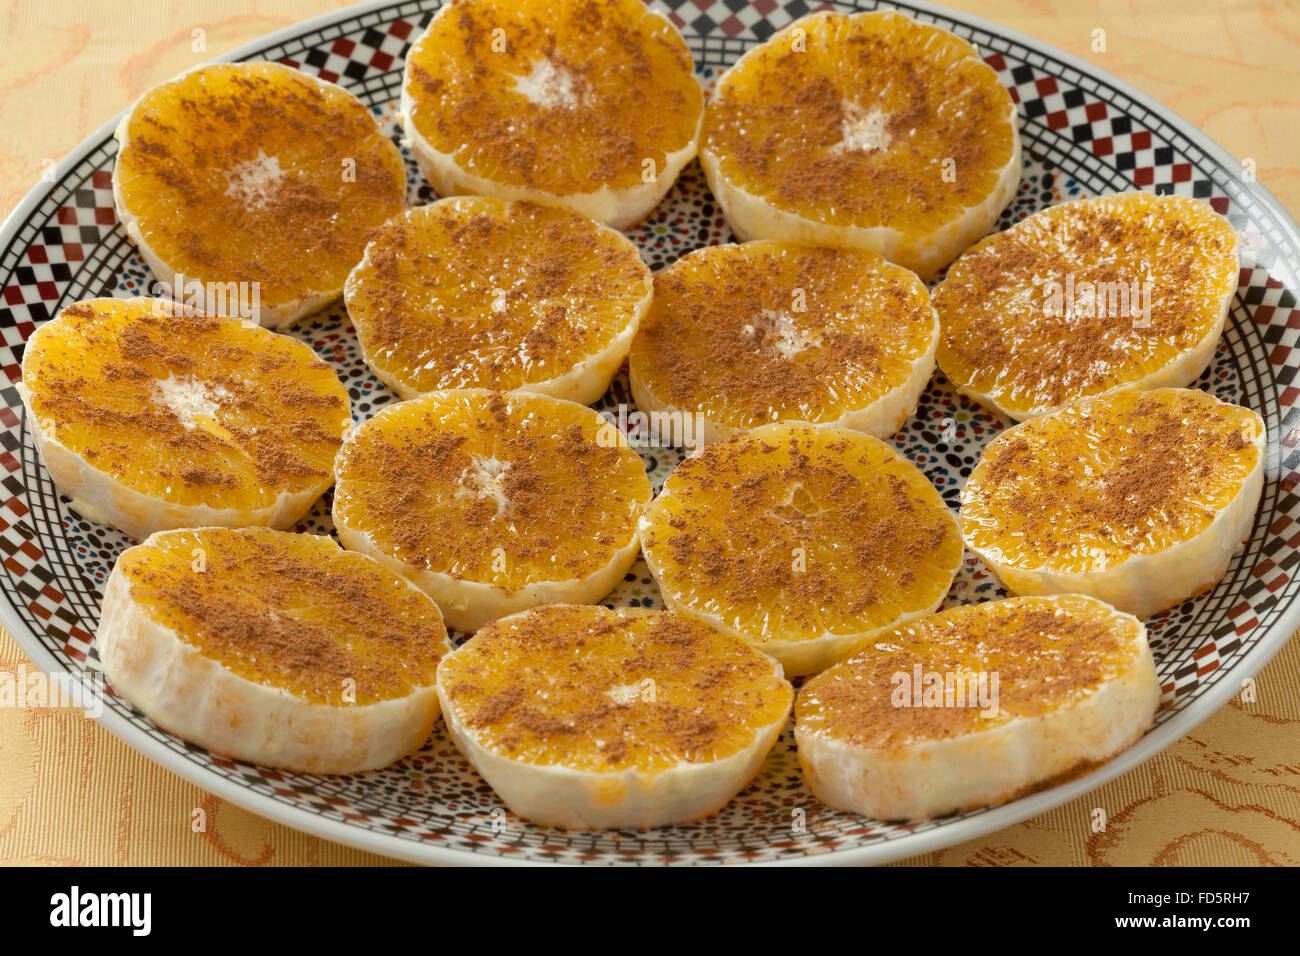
(1046, 654)
(596, 690)
(850, 120)
(188, 408)
(1012, 330)
(254, 172)
(793, 532)
(766, 331)
(617, 92)
(1109, 478)
(292, 612)
(480, 293)
(498, 488)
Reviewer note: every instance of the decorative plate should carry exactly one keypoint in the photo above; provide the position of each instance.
(1084, 133)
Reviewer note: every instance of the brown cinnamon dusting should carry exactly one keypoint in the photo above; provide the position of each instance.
(304, 622)
(541, 688)
(1049, 356)
(299, 232)
(779, 127)
(751, 334)
(467, 294)
(98, 380)
(1152, 462)
(1045, 655)
(868, 524)
(465, 102)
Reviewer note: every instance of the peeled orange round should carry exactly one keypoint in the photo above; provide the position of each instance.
(279, 649)
(976, 706)
(588, 717)
(492, 502)
(743, 335)
(588, 104)
(805, 541)
(1122, 291)
(149, 416)
(1138, 498)
(253, 186)
(472, 292)
(867, 130)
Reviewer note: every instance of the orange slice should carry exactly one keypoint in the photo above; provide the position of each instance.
(588, 104)
(976, 706)
(867, 130)
(149, 416)
(492, 502)
(253, 186)
(1122, 291)
(275, 648)
(481, 293)
(1137, 498)
(804, 541)
(744, 335)
(588, 717)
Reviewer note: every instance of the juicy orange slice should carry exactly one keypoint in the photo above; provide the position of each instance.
(867, 130)
(481, 293)
(149, 416)
(805, 541)
(492, 502)
(589, 717)
(744, 335)
(589, 104)
(976, 706)
(253, 183)
(1137, 498)
(276, 648)
(1121, 291)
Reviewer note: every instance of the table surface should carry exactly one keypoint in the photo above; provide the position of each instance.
(1227, 793)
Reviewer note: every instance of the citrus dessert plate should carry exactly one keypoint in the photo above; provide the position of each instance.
(1082, 134)
(151, 417)
(1138, 498)
(1086, 297)
(805, 541)
(588, 104)
(580, 716)
(472, 292)
(492, 502)
(866, 130)
(278, 648)
(976, 706)
(253, 186)
(745, 335)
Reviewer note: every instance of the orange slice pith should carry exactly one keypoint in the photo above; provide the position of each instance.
(150, 416)
(866, 130)
(1138, 498)
(589, 103)
(479, 293)
(804, 541)
(1087, 296)
(255, 173)
(766, 331)
(273, 647)
(580, 715)
(975, 706)
(492, 502)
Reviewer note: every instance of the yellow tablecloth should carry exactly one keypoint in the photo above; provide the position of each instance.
(1227, 793)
